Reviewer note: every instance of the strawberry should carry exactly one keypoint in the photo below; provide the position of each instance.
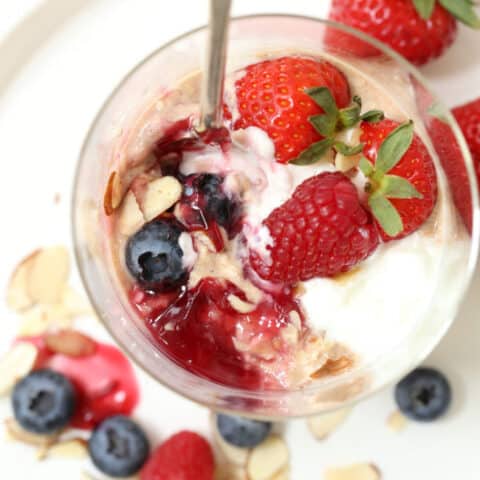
(402, 182)
(321, 231)
(420, 30)
(271, 95)
(468, 117)
(184, 456)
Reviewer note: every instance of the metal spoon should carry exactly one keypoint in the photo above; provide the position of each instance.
(211, 113)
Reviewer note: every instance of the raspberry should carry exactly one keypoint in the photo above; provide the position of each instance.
(321, 231)
(184, 456)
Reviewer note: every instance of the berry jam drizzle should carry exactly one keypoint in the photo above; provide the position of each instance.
(197, 327)
(105, 381)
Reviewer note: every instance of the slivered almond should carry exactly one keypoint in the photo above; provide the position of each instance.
(240, 305)
(282, 475)
(113, 194)
(71, 343)
(41, 318)
(397, 422)
(75, 448)
(130, 217)
(15, 364)
(359, 471)
(18, 297)
(16, 432)
(161, 194)
(268, 459)
(48, 275)
(323, 425)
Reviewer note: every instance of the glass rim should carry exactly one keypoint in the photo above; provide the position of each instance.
(331, 382)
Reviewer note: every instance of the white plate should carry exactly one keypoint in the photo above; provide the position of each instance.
(58, 65)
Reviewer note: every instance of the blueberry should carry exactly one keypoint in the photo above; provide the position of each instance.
(242, 432)
(423, 395)
(219, 207)
(118, 447)
(154, 256)
(43, 402)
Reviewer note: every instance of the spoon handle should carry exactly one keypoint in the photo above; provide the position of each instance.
(211, 114)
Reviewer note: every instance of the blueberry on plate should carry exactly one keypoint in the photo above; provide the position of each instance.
(154, 256)
(43, 402)
(118, 447)
(219, 207)
(423, 395)
(242, 432)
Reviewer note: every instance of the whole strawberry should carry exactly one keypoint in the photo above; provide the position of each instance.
(468, 117)
(321, 231)
(420, 30)
(184, 456)
(402, 183)
(271, 95)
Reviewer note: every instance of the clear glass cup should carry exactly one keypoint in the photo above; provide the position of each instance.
(163, 69)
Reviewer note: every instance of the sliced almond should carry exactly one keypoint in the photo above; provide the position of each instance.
(282, 475)
(359, 471)
(240, 305)
(130, 217)
(161, 194)
(397, 422)
(230, 472)
(344, 163)
(49, 275)
(323, 425)
(17, 363)
(17, 433)
(113, 194)
(75, 448)
(41, 318)
(18, 297)
(268, 459)
(75, 303)
(71, 343)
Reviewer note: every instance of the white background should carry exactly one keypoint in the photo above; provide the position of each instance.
(56, 67)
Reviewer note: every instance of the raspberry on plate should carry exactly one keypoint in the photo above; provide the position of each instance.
(321, 231)
(184, 456)
(271, 96)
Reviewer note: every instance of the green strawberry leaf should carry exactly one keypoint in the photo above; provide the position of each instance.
(393, 186)
(424, 8)
(348, 150)
(372, 116)
(366, 167)
(386, 214)
(350, 116)
(314, 152)
(462, 10)
(324, 124)
(394, 147)
(324, 98)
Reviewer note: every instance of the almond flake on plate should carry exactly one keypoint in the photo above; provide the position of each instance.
(359, 471)
(75, 448)
(282, 475)
(17, 433)
(234, 455)
(323, 425)
(70, 342)
(41, 318)
(18, 297)
(268, 459)
(48, 275)
(15, 364)
(396, 421)
(75, 303)
(161, 194)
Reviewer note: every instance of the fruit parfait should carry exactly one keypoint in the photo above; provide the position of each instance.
(307, 239)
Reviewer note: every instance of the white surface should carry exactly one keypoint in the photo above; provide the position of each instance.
(58, 65)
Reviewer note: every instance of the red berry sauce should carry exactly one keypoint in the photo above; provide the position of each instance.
(105, 381)
(196, 328)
